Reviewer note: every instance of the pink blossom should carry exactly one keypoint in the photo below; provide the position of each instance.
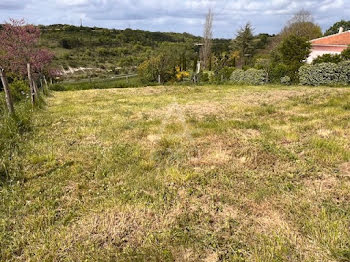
(19, 46)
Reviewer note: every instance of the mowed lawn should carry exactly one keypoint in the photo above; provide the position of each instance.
(211, 173)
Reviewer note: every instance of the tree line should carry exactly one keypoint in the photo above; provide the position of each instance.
(279, 56)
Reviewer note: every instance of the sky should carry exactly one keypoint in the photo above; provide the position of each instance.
(266, 16)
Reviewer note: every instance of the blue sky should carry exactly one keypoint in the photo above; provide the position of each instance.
(175, 15)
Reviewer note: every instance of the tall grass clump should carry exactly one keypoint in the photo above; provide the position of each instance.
(13, 128)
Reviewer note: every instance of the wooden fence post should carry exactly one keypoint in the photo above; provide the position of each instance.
(35, 87)
(8, 96)
(45, 87)
(32, 91)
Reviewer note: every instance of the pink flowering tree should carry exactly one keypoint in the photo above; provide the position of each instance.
(18, 42)
(19, 51)
(40, 60)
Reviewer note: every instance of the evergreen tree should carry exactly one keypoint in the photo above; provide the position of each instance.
(244, 43)
(293, 51)
(334, 29)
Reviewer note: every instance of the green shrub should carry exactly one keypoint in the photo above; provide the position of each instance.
(19, 90)
(222, 75)
(237, 76)
(11, 134)
(204, 77)
(327, 58)
(161, 65)
(57, 87)
(286, 80)
(346, 54)
(69, 43)
(345, 69)
(278, 71)
(325, 74)
(256, 77)
(226, 72)
(251, 76)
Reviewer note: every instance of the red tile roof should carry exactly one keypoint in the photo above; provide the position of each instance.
(337, 39)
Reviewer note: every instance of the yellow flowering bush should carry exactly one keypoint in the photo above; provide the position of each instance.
(180, 75)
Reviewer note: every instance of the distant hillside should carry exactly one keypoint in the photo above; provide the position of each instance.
(110, 48)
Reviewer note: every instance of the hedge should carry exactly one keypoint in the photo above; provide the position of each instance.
(325, 74)
(251, 76)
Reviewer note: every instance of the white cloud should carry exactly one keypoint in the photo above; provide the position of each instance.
(167, 15)
(12, 5)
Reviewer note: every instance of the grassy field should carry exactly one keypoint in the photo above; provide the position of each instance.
(219, 173)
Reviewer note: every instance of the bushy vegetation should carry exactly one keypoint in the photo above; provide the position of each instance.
(114, 51)
(327, 58)
(291, 55)
(19, 90)
(94, 47)
(286, 80)
(251, 77)
(135, 51)
(325, 74)
(23, 64)
(222, 75)
(160, 68)
(333, 58)
(14, 129)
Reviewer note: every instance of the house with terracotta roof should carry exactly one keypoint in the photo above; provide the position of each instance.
(332, 44)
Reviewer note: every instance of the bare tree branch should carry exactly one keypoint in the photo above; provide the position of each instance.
(207, 37)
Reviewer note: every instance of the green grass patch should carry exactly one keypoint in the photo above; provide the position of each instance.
(97, 84)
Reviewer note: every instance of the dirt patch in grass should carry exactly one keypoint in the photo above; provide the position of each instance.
(345, 169)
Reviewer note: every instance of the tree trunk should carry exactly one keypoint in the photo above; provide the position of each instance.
(8, 96)
(32, 91)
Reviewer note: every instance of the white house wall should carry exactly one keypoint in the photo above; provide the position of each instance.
(314, 54)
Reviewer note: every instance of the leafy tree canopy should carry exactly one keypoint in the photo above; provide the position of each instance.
(334, 29)
(302, 25)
